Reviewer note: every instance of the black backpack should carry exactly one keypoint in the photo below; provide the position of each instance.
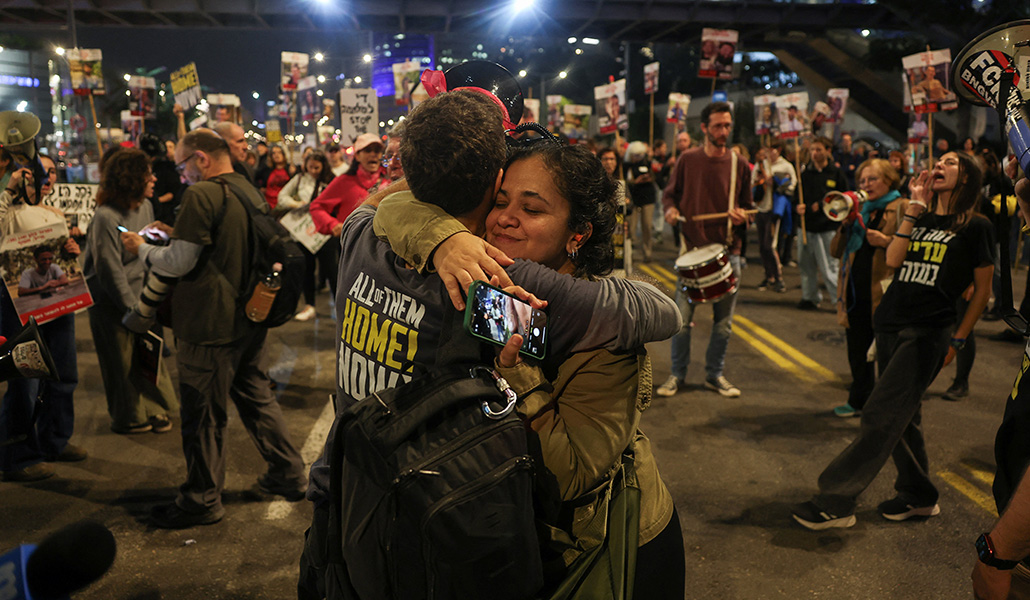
(270, 243)
(431, 493)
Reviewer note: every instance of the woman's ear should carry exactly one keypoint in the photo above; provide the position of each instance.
(578, 240)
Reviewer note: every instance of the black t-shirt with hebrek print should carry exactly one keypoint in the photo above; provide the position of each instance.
(938, 267)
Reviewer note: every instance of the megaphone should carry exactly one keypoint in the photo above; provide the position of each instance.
(977, 77)
(18, 131)
(26, 356)
(840, 206)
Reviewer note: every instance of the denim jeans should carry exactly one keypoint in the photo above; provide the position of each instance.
(815, 260)
(909, 360)
(722, 311)
(42, 429)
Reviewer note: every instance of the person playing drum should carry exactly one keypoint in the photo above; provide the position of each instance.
(708, 179)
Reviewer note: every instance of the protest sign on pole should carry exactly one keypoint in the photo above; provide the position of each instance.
(293, 68)
(141, 97)
(359, 113)
(307, 101)
(651, 78)
(555, 114)
(87, 75)
(766, 118)
(717, 49)
(928, 73)
(530, 110)
(273, 131)
(837, 98)
(576, 121)
(610, 102)
(793, 114)
(186, 86)
(677, 113)
(405, 77)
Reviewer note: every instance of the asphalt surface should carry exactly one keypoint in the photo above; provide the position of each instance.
(734, 467)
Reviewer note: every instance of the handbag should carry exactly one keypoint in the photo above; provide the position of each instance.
(607, 571)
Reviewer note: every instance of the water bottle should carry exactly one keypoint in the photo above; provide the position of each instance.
(264, 295)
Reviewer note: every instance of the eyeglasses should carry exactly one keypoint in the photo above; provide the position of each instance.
(181, 165)
(544, 135)
(388, 160)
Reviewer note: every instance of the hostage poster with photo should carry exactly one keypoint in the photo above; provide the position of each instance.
(678, 105)
(131, 125)
(556, 112)
(717, 49)
(651, 78)
(610, 103)
(766, 118)
(141, 97)
(576, 121)
(359, 113)
(405, 77)
(78, 202)
(43, 281)
(793, 114)
(293, 68)
(84, 67)
(186, 86)
(837, 99)
(927, 74)
(530, 110)
(308, 103)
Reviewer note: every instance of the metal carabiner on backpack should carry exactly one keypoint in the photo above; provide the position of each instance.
(502, 386)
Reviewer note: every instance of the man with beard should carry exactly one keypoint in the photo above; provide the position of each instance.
(708, 179)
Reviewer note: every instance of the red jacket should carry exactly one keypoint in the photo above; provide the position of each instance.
(341, 197)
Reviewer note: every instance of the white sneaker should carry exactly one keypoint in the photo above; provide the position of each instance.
(670, 387)
(306, 314)
(724, 387)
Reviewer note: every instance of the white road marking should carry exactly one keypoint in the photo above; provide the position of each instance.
(280, 509)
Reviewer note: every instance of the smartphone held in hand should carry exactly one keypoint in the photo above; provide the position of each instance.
(493, 315)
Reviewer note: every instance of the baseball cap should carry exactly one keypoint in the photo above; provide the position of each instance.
(365, 140)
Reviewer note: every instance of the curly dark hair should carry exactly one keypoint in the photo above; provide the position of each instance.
(124, 179)
(590, 192)
(453, 150)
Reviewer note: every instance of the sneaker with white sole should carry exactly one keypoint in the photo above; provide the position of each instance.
(899, 509)
(721, 385)
(810, 516)
(670, 387)
(306, 314)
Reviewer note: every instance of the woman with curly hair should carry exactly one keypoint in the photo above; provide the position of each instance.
(115, 278)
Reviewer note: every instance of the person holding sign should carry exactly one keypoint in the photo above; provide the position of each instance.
(28, 441)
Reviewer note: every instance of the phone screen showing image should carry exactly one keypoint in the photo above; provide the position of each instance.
(494, 315)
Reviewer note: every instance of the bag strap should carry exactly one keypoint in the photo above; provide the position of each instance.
(251, 212)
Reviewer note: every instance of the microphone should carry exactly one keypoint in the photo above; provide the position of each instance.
(68, 560)
(25, 356)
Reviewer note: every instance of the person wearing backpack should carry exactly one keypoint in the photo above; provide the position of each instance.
(220, 351)
(454, 152)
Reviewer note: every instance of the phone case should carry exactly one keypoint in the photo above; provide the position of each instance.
(469, 315)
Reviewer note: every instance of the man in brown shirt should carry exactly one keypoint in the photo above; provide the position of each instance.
(701, 183)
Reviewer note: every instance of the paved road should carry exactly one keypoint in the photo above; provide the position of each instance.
(734, 467)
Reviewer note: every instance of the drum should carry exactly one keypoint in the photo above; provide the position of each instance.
(706, 274)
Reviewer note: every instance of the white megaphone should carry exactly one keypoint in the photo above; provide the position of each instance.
(977, 77)
(18, 131)
(26, 356)
(840, 206)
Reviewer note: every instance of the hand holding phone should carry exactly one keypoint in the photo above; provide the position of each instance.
(494, 316)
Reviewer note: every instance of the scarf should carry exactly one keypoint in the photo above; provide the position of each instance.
(857, 234)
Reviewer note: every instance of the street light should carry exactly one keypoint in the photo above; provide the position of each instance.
(523, 73)
(357, 79)
(563, 75)
(255, 95)
(319, 56)
(59, 51)
(367, 58)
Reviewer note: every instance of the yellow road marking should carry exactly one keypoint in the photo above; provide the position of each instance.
(981, 499)
(787, 349)
(979, 474)
(775, 356)
(658, 273)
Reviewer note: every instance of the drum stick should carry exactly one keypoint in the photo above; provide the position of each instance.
(711, 216)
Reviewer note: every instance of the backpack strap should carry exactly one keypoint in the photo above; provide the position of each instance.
(252, 211)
